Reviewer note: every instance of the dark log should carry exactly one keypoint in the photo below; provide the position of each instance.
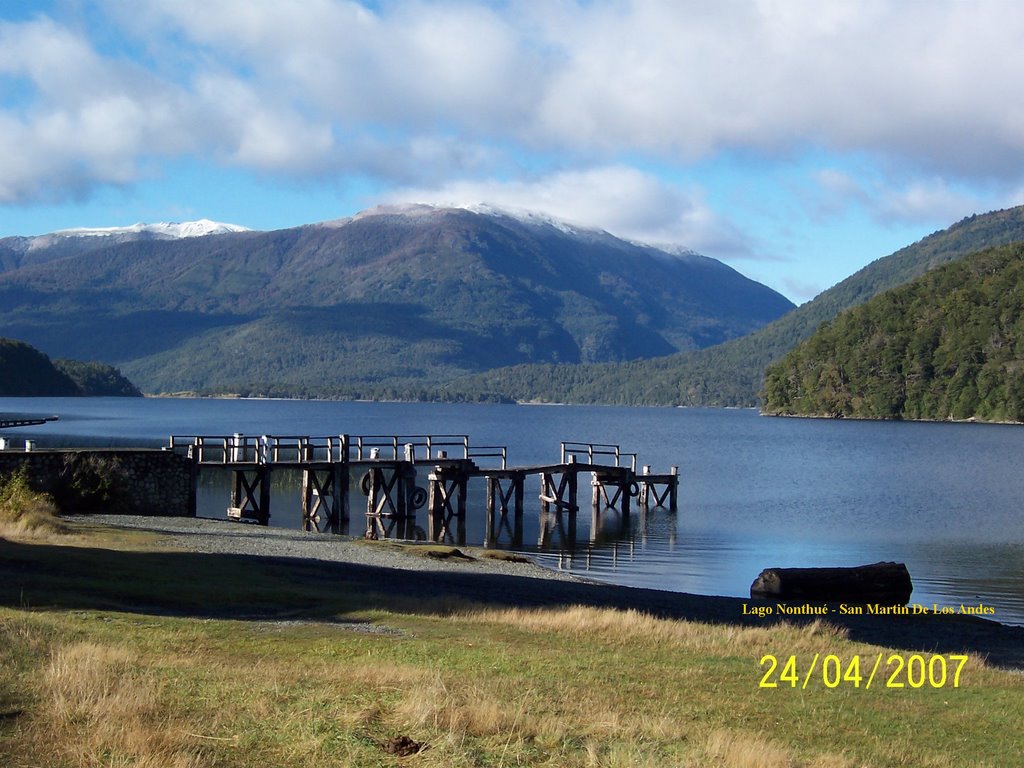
(883, 583)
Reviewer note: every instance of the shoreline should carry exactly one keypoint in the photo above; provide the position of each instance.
(398, 568)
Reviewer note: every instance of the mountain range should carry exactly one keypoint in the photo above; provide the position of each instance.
(732, 373)
(395, 301)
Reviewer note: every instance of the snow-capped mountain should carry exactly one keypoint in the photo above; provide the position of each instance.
(24, 251)
(413, 211)
(165, 230)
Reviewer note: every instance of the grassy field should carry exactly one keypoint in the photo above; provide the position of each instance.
(116, 652)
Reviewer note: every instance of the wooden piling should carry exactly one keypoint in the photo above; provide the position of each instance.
(446, 498)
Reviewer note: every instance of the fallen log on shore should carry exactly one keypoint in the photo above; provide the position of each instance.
(883, 583)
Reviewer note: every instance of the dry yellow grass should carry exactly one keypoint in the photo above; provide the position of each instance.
(617, 627)
(26, 515)
(107, 710)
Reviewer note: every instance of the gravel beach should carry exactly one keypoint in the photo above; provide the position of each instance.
(384, 568)
(194, 534)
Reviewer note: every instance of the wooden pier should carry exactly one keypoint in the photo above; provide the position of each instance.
(12, 421)
(389, 469)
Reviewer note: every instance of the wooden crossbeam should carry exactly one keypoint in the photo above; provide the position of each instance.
(652, 490)
(447, 502)
(250, 497)
(317, 491)
(501, 497)
(552, 493)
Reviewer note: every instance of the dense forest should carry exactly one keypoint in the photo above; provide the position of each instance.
(949, 345)
(27, 372)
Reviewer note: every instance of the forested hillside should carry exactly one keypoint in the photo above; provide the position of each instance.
(949, 345)
(27, 372)
(732, 373)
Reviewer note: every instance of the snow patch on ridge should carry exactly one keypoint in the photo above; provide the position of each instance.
(165, 230)
(420, 210)
(523, 215)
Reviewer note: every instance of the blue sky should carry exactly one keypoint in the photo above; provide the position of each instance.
(796, 141)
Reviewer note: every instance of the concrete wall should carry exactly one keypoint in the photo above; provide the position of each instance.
(117, 481)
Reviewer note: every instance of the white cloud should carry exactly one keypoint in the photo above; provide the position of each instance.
(622, 200)
(891, 201)
(440, 89)
(926, 200)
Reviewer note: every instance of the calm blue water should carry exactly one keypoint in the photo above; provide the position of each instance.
(754, 492)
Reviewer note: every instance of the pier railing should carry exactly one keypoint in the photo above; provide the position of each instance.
(301, 449)
(408, 447)
(263, 449)
(597, 451)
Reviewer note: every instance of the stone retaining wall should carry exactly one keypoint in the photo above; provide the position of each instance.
(134, 481)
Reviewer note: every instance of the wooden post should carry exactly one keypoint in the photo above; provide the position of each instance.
(309, 506)
(460, 523)
(436, 504)
(673, 493)
(545, 484)
(339, 504)
(193, 481)
(571, 478)
(489, 537)
(374, 491)
(264, 511)
(626, 487)
(517, 533)
(645, 487)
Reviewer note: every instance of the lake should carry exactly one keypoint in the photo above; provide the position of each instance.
(754, 492)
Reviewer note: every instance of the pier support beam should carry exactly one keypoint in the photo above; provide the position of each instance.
(563, 497)
(250, 495)
(447, 502)
(390, 489)
(325, 498)
(649, 488)
(498, 498)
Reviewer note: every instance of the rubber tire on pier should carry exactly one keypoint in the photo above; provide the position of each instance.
(366, 483)
(418, 498)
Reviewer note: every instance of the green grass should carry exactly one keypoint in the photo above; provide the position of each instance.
(115, 652)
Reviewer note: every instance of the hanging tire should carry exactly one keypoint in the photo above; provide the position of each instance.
(418, 498)
(634, 488)
(366, 483)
